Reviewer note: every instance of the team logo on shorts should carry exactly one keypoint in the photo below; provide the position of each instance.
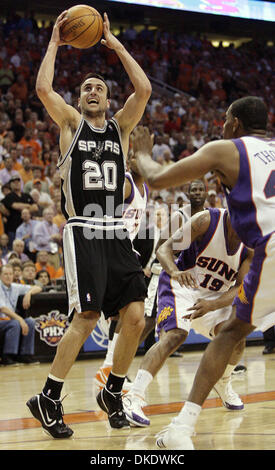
(51, 327)
(242, 295)
(165, 313)
(88, 297)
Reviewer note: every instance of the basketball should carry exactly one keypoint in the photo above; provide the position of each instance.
(83, 27)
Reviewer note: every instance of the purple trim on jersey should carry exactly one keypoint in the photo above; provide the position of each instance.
(215, 215)
(146, 190)
(225, 229)
(243, 213)
(129, 199)
(166, 304)
(244, 301)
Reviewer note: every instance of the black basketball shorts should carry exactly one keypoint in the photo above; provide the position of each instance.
(101, 269)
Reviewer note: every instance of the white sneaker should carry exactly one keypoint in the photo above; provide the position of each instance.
(230, 399)
(132, 405)
(175, 437)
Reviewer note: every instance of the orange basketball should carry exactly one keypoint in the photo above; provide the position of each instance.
(83, 27)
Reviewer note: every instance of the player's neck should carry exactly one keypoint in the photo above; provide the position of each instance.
(138, 179)
(195, 210)
(97, 121)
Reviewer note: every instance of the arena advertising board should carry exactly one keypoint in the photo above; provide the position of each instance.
(249, 9)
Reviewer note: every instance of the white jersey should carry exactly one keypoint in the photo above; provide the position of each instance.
(251, 202)
(215, 267)
(134, 207)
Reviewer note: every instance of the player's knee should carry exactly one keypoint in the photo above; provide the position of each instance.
(175, 338)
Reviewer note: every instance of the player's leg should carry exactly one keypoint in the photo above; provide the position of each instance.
(211, 368)
(46, 406)
(223, 387)
(151, 363)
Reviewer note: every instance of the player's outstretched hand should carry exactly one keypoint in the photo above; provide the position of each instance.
(185, 279)
(109, 39)
(200, 308)
(141, 140)
(56, 29)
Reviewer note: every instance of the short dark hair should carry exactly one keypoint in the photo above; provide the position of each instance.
(96, 75)
(251, 111)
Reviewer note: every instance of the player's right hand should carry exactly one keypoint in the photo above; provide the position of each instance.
(185, 279)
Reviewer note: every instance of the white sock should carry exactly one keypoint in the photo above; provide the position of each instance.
(188, 414)
(110, 351)
(228, 371)
(141, 382)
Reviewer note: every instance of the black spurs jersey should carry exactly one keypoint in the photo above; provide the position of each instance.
(93, 172)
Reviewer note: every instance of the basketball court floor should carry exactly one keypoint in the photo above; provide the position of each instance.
(217, 429)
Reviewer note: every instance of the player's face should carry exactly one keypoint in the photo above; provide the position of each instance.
(197, 194)
(93, 97)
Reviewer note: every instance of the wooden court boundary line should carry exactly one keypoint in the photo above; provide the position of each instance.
(17, 424)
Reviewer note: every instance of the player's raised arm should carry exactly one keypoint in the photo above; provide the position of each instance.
(219, 156)
(132, 111)
(57, 108)
(181, 240)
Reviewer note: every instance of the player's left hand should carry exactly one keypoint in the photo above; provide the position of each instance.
(142, 141)
(110, 40)
(200, 308)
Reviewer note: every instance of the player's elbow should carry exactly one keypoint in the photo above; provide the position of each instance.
(154, 181)
(41, 89)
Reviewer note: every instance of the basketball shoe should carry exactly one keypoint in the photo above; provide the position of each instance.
(175, 437)
(50, 414)
(101, 378)
(230, 399)
(132, 405)
(111, 403)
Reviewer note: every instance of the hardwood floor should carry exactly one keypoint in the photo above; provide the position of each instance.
(217, 429)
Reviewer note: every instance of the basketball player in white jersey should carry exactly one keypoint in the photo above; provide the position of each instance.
(204, 278)
(245, 163)
(101, 269)
(135, 202)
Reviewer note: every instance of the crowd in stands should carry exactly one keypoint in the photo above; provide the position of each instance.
(206, 80)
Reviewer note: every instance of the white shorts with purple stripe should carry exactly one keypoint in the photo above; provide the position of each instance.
(173, 304)
(255, 302)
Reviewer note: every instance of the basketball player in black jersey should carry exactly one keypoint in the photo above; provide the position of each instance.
(102, 272)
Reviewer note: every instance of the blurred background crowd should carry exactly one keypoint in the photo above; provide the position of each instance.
(203, 80)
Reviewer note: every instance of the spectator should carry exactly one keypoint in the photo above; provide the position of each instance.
(37, 174)
(7, 172)
(43, 278)
(15, 202)
(25, 232)
(42, 263)
(4, 244)
(46, 237)
(18, 247)
(212, 199)
(6, 76)
(28, 273)
(19, 332)
(26, 172)
(44, 198)
(17, 270)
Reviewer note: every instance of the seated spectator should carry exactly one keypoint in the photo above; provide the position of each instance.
(26, 172)
(37, 174)
(45, 199)
(43, 278)
(28, 273)
(4, 242)
(212, 200)
(15, 202)
(7, 172)
(56, 185)
(25, 233)
(38, 214)
(42, 262)
(18, 247)
(17, 270)
(18, 332)
(46, 237)
(59, 218)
